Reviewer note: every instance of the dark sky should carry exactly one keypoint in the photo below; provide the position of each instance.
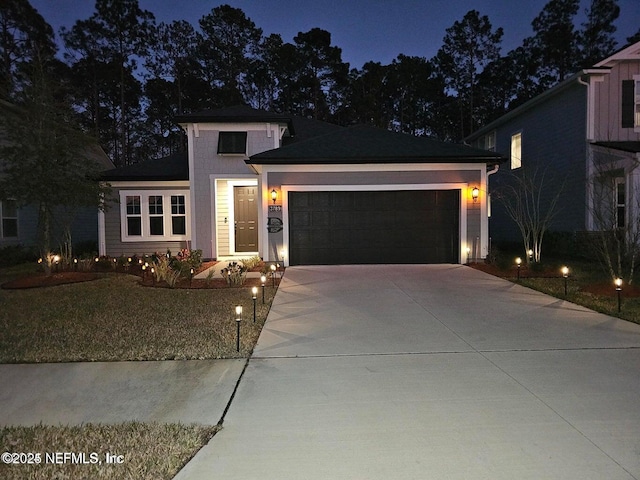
(366, 30)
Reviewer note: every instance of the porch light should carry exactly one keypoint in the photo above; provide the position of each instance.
(475, 193)
(274, 195)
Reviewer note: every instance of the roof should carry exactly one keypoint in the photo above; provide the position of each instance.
(173, 167)
(235, 114)
(365, 144)
(633, 147)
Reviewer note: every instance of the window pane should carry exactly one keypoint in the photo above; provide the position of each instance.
(621, 219)
(516, 151)
(133, 205)
(620, 191)
(178, 225)
(134, 226)
(156, 226)
(177, 205)
(155, 205)
(9, 228)
(9, 209)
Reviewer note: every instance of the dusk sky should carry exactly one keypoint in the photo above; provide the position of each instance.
(376, 30)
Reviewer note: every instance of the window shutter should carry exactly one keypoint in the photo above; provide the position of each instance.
(627, 103)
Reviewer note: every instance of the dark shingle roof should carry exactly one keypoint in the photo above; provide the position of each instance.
(365, 144)
(174, 167)
(633, 147)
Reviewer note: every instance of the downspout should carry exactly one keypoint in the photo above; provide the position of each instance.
(495, 169)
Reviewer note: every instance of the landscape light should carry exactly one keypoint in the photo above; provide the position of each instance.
(254, 296)
(518, 263)
(565, 274)
(618, 283)
(238, 318)
(263, 279)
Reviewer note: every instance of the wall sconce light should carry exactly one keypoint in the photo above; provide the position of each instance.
(274, 195)
(475, 193)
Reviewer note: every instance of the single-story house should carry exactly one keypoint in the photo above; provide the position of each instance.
(301, 191)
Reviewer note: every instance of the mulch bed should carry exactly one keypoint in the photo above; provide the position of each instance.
(512, 272)
(213, 283)
(40, 280)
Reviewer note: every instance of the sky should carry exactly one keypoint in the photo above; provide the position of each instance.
(365, 30)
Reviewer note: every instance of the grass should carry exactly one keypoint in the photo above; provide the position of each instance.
(116, 319)
(150, 451)
(582, 275)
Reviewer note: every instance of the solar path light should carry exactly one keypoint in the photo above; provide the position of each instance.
(565, 274)
(618, 283)
(238, 319)
(254, 296)
(518, 264)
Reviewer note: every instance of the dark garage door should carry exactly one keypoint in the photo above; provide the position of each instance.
(407, 226)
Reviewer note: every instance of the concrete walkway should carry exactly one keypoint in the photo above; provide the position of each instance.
(438, 372)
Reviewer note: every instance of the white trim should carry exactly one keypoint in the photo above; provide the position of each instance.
(239, 180)
(102, 235)
(462, 187)
(192, 194)
(141, 184)
(230, 126)
(372, 167)
(144, 214)
(232, 214)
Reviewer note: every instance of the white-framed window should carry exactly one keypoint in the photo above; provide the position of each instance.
(490, 141)
(154, 215)
(516, 150)
(620, 202)
(9, 217)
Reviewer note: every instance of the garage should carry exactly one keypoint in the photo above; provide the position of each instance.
(372, 227)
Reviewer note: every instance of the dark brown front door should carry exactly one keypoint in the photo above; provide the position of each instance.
(246, 218)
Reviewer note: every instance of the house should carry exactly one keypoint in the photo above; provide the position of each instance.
(301, 191)
(19, 224)
(584, 132)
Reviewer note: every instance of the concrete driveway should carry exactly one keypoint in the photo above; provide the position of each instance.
(438, 372)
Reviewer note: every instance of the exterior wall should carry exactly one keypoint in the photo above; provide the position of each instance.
(206, 168)
(473, 227)
(553, 141)
(115, 247)
(608, 104)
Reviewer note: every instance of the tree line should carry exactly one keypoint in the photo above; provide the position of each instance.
(124, 76)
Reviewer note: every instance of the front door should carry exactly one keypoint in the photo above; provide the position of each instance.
(246, 218)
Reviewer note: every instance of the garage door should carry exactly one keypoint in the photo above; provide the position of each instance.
(408, 226)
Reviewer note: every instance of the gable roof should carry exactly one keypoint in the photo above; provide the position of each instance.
(365, 144)
(173, 167)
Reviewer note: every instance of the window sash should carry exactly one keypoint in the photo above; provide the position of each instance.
(232, 143)
(149, 215)
(178, 215)
(516, 151)
(9, 216)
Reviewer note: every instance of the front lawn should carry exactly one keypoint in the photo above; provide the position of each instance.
(138, 451)
(116, 319)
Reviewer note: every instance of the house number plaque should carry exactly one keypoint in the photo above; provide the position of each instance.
(274, 225)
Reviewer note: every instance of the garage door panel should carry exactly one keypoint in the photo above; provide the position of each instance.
(408, 226)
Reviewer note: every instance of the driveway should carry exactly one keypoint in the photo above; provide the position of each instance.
(438, 372)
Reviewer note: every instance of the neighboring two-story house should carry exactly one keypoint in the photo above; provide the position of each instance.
(302, 191)
(585, 133)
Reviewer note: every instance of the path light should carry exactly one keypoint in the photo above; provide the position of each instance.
(530, 253)
(238, 319)
(191, 272)
(518, 264)
(263, 280)
(75, 264)
(468, 254)
(565, 274)
(618, 283)
(273, 275)
(153, 275)
(254, 296)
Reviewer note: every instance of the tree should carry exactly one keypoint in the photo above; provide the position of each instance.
(613, 208)
(596, 39)
(229, 40)
(44, 159)
(22, 30)
(555, 41)
(525, 201)
(468, 46)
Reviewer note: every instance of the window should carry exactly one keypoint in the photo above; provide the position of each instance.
(516, 151)
(620, 202)
(156, 218)
(490, 141)
(9, 214)
(178, 215)
(134, 216)
(232, 143)
(154, 215)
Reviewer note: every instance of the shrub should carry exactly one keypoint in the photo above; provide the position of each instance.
(16, 254)
(252, 262)
(235, 273)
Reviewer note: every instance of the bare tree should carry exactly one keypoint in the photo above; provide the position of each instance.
(612, 203)
(530, 198)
